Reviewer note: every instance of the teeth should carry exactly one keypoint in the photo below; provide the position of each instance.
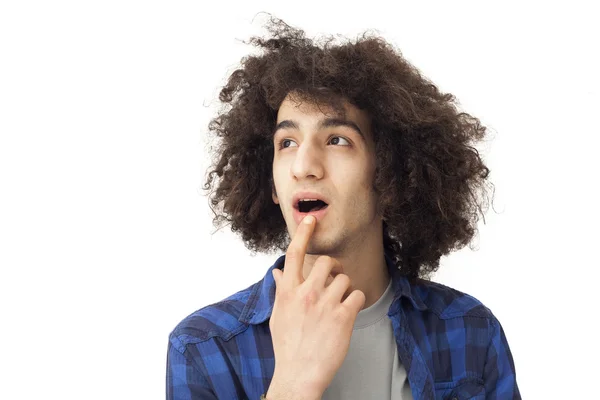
(309, 199)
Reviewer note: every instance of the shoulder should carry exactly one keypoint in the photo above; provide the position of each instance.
(447, 302)
(460, 340)
(220, 319)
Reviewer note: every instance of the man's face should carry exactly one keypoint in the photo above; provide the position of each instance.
(336, 162)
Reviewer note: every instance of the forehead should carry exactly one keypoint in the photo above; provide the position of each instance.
(292, 108)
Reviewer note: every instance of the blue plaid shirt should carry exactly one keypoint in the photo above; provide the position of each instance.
(451, 345)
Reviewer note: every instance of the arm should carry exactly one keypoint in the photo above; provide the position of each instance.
(279, 391)
(499, 372)
(184, 380)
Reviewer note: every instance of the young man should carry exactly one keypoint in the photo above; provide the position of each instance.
(368, 168)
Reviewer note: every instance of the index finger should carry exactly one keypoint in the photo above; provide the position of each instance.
(294, 257)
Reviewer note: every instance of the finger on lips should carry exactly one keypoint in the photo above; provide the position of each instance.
(296, 252)
(325, 269)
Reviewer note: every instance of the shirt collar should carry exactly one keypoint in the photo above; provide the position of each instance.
(260, 303)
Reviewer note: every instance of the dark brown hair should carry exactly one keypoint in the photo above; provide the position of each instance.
(430, 178)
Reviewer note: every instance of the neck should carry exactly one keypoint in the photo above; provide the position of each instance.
(363, 262)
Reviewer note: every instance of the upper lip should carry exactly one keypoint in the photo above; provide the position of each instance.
(308, 195)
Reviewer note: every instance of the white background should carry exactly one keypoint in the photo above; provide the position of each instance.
(105, 235)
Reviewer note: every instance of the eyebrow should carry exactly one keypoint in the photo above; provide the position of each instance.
(324, 123)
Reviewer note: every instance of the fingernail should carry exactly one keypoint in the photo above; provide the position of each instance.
(308, 219)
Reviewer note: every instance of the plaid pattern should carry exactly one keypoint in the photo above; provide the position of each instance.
(451, 345)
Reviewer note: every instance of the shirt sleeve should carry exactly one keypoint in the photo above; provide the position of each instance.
(499, 372)
(184, 379)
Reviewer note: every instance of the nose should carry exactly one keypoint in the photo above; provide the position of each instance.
(308, 162)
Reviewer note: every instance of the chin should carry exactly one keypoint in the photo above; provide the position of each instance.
(322, 248)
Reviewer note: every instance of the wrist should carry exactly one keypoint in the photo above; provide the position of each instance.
(278, 390)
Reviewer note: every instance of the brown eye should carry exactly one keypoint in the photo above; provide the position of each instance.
(281, 143)
(339, 137)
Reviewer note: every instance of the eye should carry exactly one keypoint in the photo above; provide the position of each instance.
(333, 138)
(339, 137)
(281, 143)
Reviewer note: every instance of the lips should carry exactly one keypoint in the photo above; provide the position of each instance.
(319, 214)
(308, 195)
(305, 206)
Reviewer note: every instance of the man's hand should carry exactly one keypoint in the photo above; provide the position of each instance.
(311, 324)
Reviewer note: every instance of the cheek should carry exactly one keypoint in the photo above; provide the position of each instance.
(277, 185)
(278, 169)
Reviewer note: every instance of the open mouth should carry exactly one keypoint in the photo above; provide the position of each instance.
(306, 206)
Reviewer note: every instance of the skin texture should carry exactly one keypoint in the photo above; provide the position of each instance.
(338, 163)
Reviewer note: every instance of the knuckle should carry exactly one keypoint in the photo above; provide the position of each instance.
(310, 297)
(292, 253)
(341, 315)
(282, 295)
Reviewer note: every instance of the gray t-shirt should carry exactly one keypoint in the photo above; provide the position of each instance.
(372, 368)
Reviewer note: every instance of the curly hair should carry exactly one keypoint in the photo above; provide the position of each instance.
(430, 178)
